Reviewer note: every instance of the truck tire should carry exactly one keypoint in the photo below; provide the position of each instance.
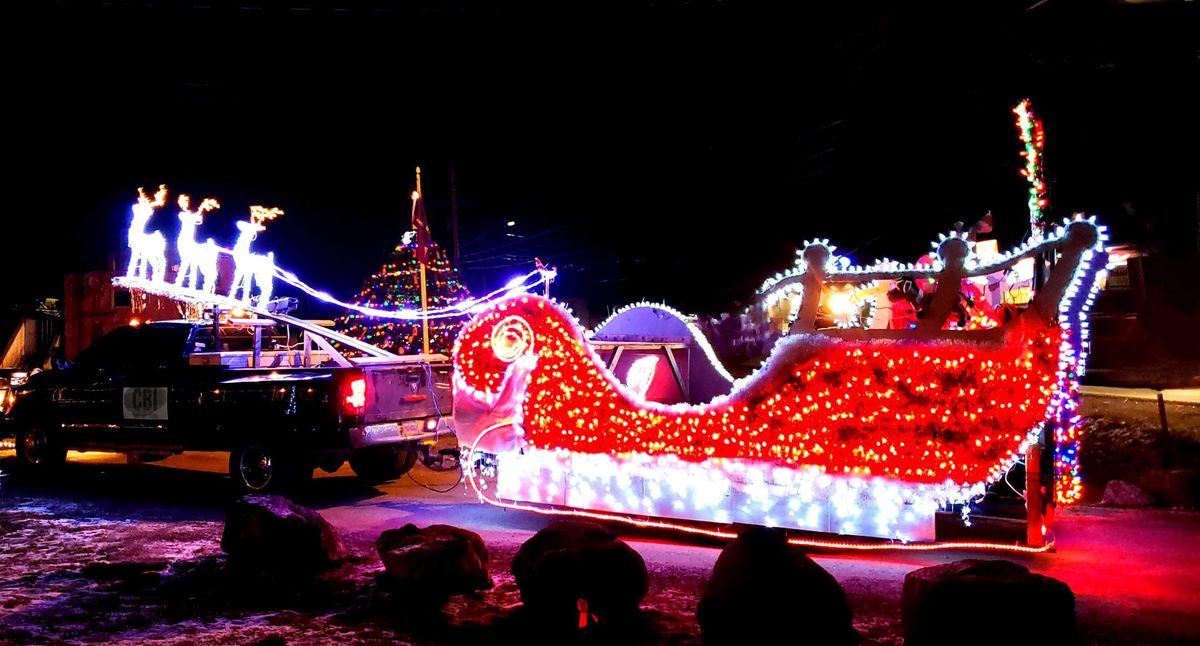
(378, 464)
(36, 453)
(264, 467)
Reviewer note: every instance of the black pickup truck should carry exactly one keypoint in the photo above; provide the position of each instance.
(163, 388)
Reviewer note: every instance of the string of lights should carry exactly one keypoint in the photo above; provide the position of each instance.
(1034, 140)
(396, 285)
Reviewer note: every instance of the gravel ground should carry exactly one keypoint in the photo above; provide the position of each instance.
(118, 553)
(73, 577)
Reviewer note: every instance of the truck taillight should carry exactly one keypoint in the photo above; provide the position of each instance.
(356, 397)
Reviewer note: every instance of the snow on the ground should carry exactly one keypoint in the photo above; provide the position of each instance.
(68, 577)
(116, 553)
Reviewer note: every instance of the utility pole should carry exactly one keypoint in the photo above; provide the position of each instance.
(422, 250)
(454, 213)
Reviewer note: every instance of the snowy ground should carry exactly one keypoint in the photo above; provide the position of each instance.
(120, 553)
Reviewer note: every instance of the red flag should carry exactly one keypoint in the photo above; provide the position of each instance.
(421, 226)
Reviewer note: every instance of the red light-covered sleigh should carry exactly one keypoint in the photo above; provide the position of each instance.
(864, 432)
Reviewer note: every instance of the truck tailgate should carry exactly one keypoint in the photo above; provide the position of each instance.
(400, 392)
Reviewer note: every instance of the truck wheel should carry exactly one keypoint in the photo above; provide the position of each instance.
(261, 467)
(382, 463)
(35, 452)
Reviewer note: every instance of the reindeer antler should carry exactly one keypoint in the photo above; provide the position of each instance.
(208, 204)
(160, 196)
(261, 214)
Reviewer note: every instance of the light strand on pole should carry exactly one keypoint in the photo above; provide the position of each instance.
(1034, 140)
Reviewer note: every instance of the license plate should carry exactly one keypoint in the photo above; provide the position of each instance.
(412, 427)
(144, 403)
(393, 430)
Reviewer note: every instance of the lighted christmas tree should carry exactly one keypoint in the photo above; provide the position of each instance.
(397, 286)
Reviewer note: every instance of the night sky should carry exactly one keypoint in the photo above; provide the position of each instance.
(666, 150)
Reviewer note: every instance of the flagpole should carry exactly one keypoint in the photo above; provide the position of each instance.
(424, 297)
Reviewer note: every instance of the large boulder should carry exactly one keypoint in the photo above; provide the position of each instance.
(1174, 487)
(938, 600)
(273, 534)
(1118, 493)
(764, 589)
(576, 572)
(435, 562)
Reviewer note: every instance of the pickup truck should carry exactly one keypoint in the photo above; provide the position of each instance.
(163, 388)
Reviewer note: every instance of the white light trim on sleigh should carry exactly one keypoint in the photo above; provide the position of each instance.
(477, 464)
(832, 264)
(723, 491)
(697, 335)
(890, 269)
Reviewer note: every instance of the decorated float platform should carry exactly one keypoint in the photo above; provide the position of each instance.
(897, 392)
(861, 430)
(864, 421)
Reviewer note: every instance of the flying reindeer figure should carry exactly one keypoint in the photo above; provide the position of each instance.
(251, 267)
(195, 257)
(148, 255)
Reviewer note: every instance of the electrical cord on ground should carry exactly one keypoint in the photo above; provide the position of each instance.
(1010, 484)
(437, 407)
(437, 436)
(436, 490)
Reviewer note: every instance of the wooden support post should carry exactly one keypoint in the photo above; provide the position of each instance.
(1166, 430)
(813, 280)
(257, 356)
(216, 316)
(307, 350)
(1050, 498)
(1033, 496)
(325, 346)
(612, 364)
(683, 387)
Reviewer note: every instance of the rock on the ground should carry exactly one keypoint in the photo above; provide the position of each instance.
(1119, 493)
(439, 560)
(763, 589)
(941, 604)
(273, 534)
(573, 569)
(1174, 487)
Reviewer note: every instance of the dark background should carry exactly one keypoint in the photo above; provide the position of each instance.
(666, 150)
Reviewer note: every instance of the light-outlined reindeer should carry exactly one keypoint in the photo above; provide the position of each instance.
(148, 251)
(196, 259)
(250, 267)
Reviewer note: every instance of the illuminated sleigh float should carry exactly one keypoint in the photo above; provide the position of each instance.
(850, 431)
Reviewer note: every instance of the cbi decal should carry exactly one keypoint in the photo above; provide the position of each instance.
(144, 403)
